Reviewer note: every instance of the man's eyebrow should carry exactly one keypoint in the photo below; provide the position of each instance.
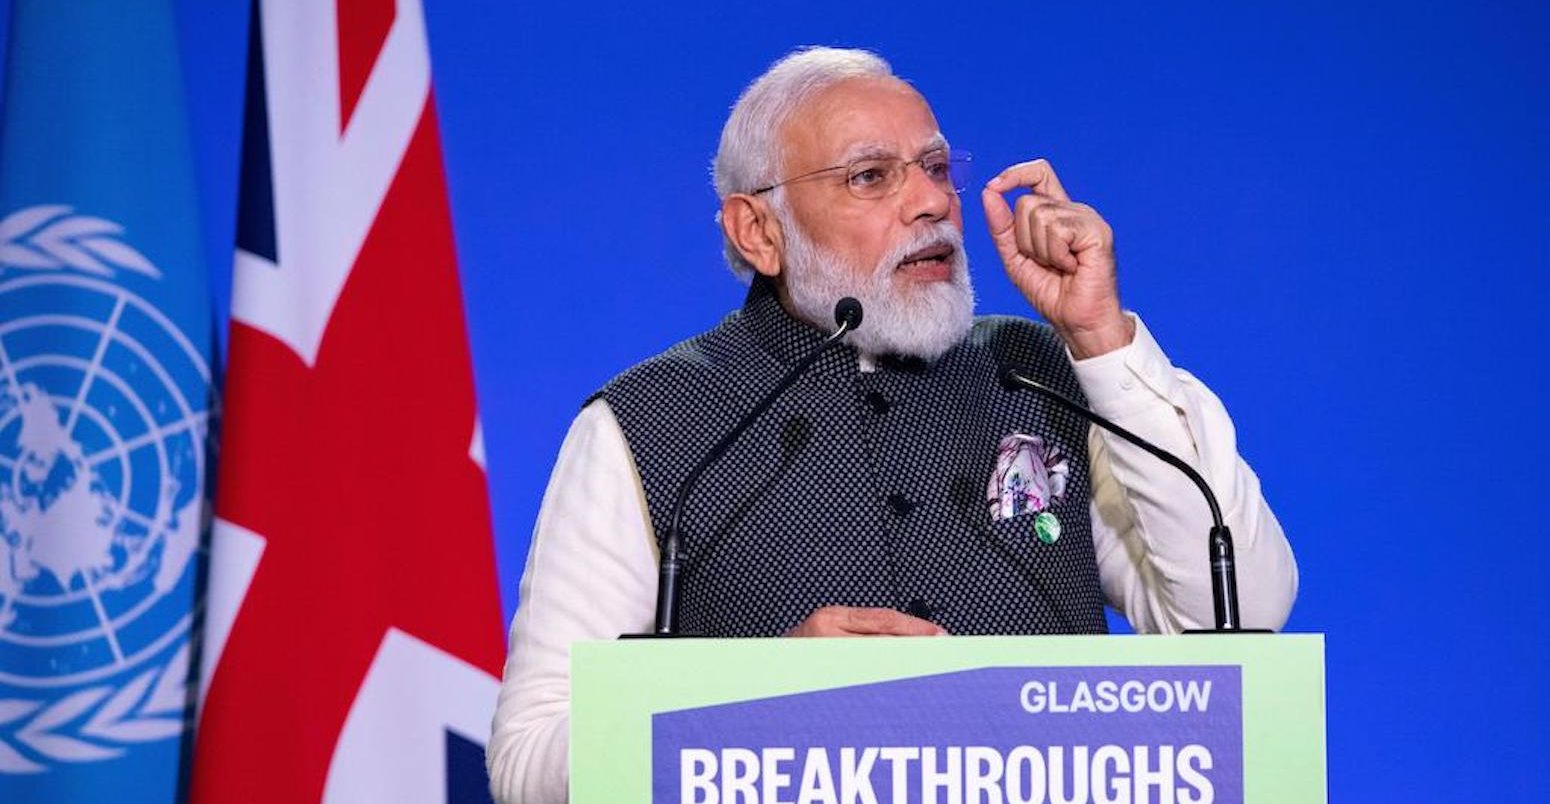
(877, 150)
(866, 150)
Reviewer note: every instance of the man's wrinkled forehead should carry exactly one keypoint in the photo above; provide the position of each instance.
(861, 119)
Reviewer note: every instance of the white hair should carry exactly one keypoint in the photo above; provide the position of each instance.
(749, 155)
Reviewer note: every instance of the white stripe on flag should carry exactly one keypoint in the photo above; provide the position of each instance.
(234, 555)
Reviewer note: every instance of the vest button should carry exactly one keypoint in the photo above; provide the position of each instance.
(877, 402)
(900, 504)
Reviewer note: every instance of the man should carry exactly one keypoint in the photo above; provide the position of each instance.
(898, 488)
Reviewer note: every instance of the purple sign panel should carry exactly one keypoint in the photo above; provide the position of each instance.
(1004, 735)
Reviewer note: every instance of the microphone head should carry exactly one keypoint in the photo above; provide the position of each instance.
(1008, 376)
(848, 311)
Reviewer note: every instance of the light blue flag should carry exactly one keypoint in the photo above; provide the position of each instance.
(105, 404)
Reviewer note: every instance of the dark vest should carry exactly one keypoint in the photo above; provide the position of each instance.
(859, 488)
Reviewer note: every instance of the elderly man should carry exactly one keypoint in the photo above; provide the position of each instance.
(898, 488)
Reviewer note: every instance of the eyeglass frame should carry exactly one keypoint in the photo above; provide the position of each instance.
(954, 158)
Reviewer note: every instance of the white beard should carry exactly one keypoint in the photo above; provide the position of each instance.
(900, 317)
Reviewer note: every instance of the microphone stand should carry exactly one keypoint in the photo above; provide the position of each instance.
(847, 314)
(1224, 579)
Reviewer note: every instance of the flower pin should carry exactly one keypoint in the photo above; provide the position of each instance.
(1029, 477)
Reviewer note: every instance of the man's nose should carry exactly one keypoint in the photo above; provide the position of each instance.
(922, 197)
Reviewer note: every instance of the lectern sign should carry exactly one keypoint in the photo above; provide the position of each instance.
(956, 720)
(1003, 734)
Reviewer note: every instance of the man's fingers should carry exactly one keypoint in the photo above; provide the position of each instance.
(1001, 222)
(831, 621)
(998, 216)
(1046, 232)
(1033, 227)
(1060, 234)
(1025, 228)
(1051, 238)
(1038, 176)
(887, 622)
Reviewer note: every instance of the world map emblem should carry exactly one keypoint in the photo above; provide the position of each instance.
(104, 425)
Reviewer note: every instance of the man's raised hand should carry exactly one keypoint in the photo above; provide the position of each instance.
(1060, 254)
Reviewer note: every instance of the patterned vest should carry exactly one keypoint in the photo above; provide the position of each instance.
(860, 488)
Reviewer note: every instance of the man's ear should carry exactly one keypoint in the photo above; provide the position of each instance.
(754, 231)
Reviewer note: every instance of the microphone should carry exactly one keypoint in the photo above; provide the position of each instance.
(1224, 579)
(847, 316)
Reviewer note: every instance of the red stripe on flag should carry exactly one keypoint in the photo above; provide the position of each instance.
(363, 27)
(357, 472)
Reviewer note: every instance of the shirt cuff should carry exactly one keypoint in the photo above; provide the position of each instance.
(1128, 379)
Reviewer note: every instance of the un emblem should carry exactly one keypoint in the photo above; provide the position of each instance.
(104, 421)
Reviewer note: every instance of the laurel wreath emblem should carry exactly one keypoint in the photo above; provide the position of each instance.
(100, 721)
(52, 236)
(91, 724)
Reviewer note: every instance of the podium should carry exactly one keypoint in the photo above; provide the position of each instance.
(961, 720)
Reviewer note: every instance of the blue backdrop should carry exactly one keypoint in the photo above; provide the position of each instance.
(1336, 214)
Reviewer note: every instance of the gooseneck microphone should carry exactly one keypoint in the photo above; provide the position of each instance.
(1224, 580)
(847, 315)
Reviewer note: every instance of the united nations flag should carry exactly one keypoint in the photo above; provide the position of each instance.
(105, 405)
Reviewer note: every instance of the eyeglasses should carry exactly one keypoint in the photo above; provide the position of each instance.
(879, 177)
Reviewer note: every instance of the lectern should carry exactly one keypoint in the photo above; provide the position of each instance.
(962, 720)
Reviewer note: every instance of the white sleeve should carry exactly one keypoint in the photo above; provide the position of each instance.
(1150, 523)
(591, 574)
